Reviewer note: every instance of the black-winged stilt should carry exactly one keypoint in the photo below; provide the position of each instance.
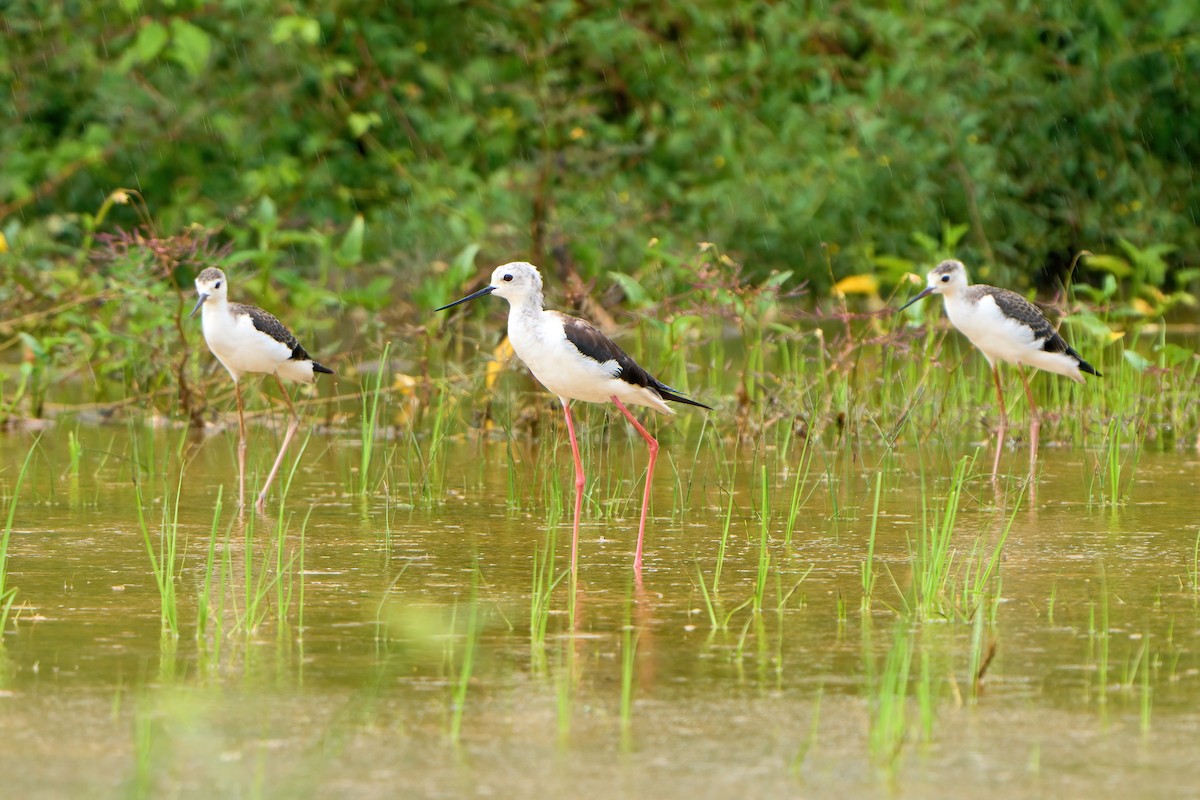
(574, 360)
(1005, 327)
(246, 339)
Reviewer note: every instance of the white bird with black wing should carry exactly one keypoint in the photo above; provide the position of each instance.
(1005, 327)
(246, 339)
(574, 360)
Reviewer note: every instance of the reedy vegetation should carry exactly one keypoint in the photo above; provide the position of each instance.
(568, 155)
(792, 134)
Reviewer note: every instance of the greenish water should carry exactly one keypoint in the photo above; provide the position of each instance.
(332, 659)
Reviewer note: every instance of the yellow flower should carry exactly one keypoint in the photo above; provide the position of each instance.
(502, 354)
(857, 284)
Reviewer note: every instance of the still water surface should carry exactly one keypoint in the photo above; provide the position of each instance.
(332, 659)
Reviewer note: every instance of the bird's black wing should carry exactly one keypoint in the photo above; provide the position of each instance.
(268, 324)
(591, 343)
(1016, 307)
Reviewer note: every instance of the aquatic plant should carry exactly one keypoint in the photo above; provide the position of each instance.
(166, 563)
(9, 593)
(371, 397)
(889, 698)
(931, 551)
(462, 681)
(868, 565)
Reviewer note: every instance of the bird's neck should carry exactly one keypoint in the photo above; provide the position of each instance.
(526, 309)
(215, 307)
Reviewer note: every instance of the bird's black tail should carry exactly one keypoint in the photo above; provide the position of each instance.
(1083, 365)
(322, 368)
(667, 393)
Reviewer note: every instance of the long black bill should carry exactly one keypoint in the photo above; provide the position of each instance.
(199, 303)
(480, 293)
(924, 293)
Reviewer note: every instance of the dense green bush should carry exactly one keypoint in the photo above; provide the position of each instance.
(801, 136)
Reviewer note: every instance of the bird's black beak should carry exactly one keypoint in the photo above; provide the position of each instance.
(199, 303)
(928, 290)
(480, 293)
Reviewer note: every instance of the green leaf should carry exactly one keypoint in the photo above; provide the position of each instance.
(685, 322)
(632, 289)
(150, 41)
(1094, 327)
(375, 296)
(304, 29)
(350, 253)
(1176, 17)
(361, 123)
(1111, 264)
(777, 280)
(463, 264)
(894, 265)
(926, 242)
(1136, 360)
(267, 214)
(190, 47)
(1174, 355)
(33, 345)
(953, 234)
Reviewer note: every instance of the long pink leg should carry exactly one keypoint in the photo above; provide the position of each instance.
(999, 396)
(579, 481)
(1035, 421)
(241, 451)
(1003, 421)
(287, 438)
(652, 443)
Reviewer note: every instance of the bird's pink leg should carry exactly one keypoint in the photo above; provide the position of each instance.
(1003, 421)
(652, 443)
(999, 396)
(287, 438)
(579, 482)
(241, 451)
(1035, 422)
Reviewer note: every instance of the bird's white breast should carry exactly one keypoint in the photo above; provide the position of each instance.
(539, 341)
(997, 335)
(240, 346)
(1001, 337)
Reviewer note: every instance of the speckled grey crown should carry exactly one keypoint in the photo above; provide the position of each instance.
(526, 267)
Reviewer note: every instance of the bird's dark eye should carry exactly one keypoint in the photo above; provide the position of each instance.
(945, 279)
(217, 285)
(508, 277)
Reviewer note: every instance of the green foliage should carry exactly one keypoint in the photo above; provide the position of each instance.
(355, 165)
(790, 133)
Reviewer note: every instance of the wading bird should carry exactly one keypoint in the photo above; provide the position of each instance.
(575, 361)
(246, 339)
(1005, 327)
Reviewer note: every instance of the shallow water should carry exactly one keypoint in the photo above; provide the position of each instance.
(335, 640)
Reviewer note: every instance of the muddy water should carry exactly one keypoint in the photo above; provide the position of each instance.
(336, 636)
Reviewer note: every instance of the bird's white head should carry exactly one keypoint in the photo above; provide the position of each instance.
(518, 282)
(210, 285)
(946, 278)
